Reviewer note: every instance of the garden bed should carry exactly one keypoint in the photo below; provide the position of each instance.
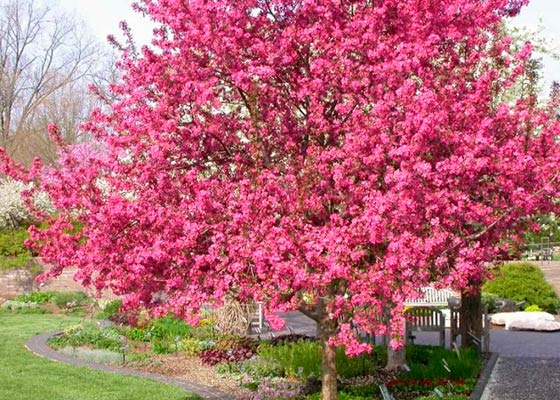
(285, 368)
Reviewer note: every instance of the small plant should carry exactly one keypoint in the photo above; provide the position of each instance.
(161, 347)
(298, 359)
(234, 354)
(70, 299)
(36, 297)
(90, 334)
(14, 305)
(169, 327)
(533, 308)
(256, 368)
(191, 346)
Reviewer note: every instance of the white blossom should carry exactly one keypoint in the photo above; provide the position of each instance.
(13, 211)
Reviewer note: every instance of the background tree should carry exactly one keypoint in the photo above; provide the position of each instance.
(44, 57)
(326, 156)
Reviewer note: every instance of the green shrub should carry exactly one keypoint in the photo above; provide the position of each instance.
(169, 328)
(523, 282)
(70, 299)
(533, 308)
(138, 334)
(162, 347)
(36, 297)
(11, 242)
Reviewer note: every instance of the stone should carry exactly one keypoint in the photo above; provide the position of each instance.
(540, 325)
(506, 317)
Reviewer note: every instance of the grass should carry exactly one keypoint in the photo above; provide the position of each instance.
(28, 377)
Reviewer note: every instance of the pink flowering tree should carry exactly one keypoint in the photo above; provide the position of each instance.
(328, 156)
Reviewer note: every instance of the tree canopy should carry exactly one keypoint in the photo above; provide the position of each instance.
(321, 155)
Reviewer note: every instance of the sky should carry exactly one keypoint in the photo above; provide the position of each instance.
(103, 17)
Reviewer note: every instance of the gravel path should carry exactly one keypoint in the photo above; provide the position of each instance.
(524, 378)
(38, 345)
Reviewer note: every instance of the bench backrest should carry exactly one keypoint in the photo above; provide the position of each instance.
(425, 319)
(432, 297)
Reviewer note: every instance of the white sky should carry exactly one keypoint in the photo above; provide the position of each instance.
(103, 17)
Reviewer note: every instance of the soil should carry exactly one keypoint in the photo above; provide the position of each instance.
(190, 369)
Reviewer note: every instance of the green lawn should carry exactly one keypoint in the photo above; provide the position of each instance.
(24, 376)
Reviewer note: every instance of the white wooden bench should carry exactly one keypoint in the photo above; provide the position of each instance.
(425, 319)
(432, 298)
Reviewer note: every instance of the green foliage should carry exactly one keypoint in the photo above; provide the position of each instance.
(7, 263)
(366, 364)
(13, 254)
(101, 356)
(549, 229)
(70, 299)
(489, 300)
(533, 308)
(89, 334)
(13, 305)
(523, 282)
(427, 362)
(169, 328)
(108, 308)
(297, 359)
(162, 347)
(191, 346)
(11, 242)
(303, 359)
(113, 307)
(138, 334)
(36, 297)
(257, 368)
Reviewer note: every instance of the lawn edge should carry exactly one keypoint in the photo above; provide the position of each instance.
(38, 346)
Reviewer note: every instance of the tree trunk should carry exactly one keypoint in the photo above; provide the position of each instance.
(327, 329)
(395, 359)
(470, 325)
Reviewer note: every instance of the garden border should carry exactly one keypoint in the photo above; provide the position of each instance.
(38, 345)
(484, 376)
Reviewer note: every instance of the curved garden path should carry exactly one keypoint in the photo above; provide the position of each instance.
(38, 345)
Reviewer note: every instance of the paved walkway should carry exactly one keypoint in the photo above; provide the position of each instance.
(528, 367)
(38, 345)
(551, 270)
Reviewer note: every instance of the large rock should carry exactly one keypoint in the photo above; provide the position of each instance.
(533, 325)
(506, 317)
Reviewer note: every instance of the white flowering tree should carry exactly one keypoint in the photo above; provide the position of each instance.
(13, 210)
